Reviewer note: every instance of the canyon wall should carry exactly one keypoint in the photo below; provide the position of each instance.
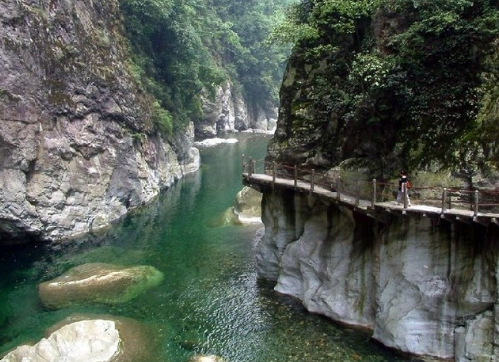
(422, 286)
(229, 112)
(79, 147)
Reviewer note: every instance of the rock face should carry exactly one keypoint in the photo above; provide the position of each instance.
(98, 283)
(228, 112)
(78, 147)
(423, 286)
(248, 206)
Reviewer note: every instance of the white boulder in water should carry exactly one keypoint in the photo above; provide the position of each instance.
(83, 341)
(210, 358)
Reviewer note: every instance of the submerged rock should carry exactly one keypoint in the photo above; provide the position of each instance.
(88, 340)
(210, 358)
(98, 283)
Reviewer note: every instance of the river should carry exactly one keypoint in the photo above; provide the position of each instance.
(210, 301)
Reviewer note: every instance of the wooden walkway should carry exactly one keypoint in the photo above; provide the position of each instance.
(381, 204)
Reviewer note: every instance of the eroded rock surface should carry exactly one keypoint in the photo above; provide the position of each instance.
(98, 283)
(228, 112)
(423, 286)
(78, 144)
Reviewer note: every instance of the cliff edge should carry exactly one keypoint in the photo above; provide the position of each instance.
(78, 147)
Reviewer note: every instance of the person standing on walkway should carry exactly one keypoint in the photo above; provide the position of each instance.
(404, 186)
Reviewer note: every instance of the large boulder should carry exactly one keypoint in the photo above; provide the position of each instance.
(248, 207)
(76, 339)
(98, 283)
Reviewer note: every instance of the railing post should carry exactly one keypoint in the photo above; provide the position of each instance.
(475, 203)
(312, 181)
(357, 194)
(338, 188)
(295, 175)
(244, 164)
(404, 194)
(374, 191)
(444, 199)
(274, 171)
(250, 171)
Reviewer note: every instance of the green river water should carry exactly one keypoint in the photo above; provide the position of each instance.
(210, 301)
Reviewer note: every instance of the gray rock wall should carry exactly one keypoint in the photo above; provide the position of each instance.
(423, 286)
(229, 112)
(78, 147)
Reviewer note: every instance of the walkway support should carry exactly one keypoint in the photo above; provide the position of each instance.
(475, 202)
(312, 181)
(295, 175)
(444, 199)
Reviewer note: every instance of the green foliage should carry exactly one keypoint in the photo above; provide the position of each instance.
(184, 48)
(410, 73)
(162, 119)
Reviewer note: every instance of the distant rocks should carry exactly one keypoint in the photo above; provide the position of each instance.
(210, 142)
(229, 112)
(98, 283)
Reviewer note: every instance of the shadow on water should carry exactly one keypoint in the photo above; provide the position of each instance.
(210, 301)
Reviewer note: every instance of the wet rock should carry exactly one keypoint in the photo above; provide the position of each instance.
(248, 206)
(78, 339)
(98, 283)
(78, 147)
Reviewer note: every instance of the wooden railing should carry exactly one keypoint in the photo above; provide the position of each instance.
(376, 192)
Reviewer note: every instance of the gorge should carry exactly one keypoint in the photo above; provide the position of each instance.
(90, 137)
(81, 142)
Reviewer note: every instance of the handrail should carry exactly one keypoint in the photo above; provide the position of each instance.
(375, 191)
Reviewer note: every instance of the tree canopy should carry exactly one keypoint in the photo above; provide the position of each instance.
(420, 75)
(182, 48)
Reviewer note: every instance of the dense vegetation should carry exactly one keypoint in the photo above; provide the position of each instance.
(183, 49)
(418, 76)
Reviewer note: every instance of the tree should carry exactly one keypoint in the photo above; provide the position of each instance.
(409, 73)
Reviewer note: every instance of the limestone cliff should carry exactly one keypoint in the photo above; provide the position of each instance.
(78, 148)
(228, 112)
(423, 286)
